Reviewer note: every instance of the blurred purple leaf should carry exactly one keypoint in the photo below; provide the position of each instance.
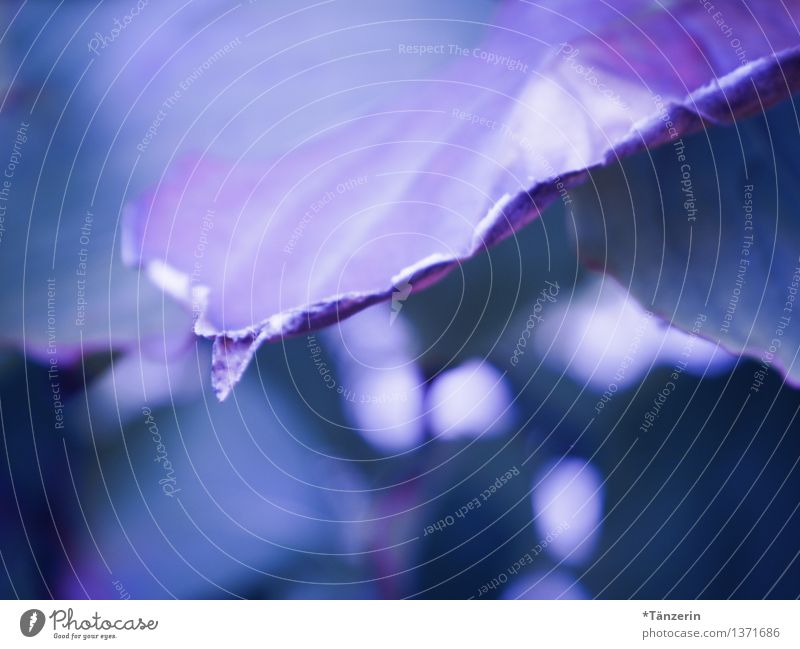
(703, 233)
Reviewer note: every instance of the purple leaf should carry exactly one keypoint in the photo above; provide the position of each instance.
(265, 246)
(91, 115)
(703, 233)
